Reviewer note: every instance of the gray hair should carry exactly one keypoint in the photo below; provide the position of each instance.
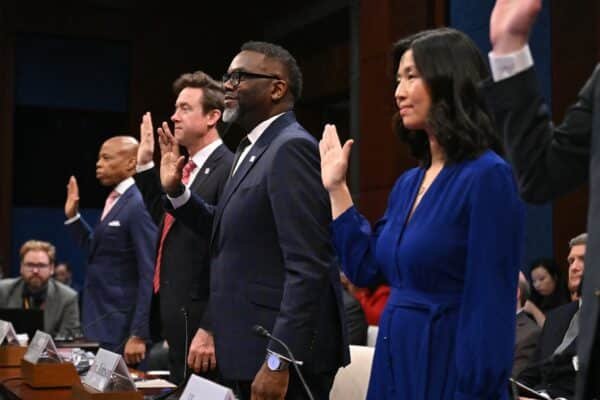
(579, 239)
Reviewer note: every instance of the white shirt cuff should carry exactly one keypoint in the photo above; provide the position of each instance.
(144, 167)
(180, 200)
(508, 65)
(73, 219)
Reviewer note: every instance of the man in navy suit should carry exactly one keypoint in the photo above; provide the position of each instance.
(272, 262)
(121, 250)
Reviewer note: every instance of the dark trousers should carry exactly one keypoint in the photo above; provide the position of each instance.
(319, 385)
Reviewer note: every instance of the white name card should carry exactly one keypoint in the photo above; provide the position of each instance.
(199, 388)
(7, 332)
(41, 345)
(109, 368)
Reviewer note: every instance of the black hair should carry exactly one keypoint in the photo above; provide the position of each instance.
(452, 68)
(280, 54)
(560, 295)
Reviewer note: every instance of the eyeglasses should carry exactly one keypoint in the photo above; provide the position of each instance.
(236, 77)
(38, 266)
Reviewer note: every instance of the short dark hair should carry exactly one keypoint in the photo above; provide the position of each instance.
(452, 68)
(280, 54)
(212, 90)
(65, 264)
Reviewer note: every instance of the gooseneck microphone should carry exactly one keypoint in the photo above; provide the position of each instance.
(187, 339)
(261, 331)
(98, 319)
(185, 354)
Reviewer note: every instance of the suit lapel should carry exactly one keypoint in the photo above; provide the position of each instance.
(99, 231)
(50, 306)
(249, 161)
(206, 169)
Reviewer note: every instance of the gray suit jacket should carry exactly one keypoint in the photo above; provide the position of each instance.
(61, 311)
(527, 335)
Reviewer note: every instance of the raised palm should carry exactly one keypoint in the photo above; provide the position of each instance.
(171, 162)
(72, 201)
(334, 158)
(146, 147)
(511, 22)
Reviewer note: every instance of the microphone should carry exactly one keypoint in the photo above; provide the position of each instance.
(79, 334)
(261, 331)
(187, 335)
(185, 366)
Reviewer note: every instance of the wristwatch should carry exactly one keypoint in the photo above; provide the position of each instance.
(276, 363)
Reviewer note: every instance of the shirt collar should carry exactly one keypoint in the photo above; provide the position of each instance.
(259, 129)
(124, 185)
(202, 155)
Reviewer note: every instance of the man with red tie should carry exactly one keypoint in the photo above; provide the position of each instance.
(181, 277)
(120, 249)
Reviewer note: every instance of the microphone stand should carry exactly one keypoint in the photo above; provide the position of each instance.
(261, 331)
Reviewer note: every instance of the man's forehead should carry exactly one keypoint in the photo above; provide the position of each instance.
(189, 95)
(36, 254)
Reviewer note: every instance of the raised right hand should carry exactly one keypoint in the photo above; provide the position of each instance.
(334, 158)
(171, 163)
(146, 147)
(510, 24)
(72, 202)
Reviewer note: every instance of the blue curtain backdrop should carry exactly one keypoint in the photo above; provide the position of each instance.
(59, 82)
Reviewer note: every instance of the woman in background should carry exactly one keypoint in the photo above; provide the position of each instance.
(450, 241)
(549, 290)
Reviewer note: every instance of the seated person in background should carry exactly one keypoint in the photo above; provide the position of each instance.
(64, 274)
(372, 300)
(549, 289)
(356, 322)
(552, 368)
(527, 331)
(576, 266)
(35, 289)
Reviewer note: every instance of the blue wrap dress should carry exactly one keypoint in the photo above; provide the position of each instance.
(448, 328)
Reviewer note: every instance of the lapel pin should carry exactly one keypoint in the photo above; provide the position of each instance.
(252, 158)
(207, 171)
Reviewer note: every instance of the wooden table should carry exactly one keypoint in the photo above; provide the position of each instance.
(12, 387)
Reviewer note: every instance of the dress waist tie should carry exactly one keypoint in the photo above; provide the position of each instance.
(435, 305)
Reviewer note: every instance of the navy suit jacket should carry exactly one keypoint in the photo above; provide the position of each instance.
(555, 374)
(120, 267)
(272, 261)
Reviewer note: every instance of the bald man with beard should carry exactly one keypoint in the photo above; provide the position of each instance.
(120, 250)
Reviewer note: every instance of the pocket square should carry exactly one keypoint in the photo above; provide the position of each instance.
(114, 223)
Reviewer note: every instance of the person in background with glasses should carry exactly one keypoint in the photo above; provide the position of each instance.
(271, 257)
(36, 289)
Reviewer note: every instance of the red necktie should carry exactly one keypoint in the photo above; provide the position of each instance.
(167, 223)
(109, 203)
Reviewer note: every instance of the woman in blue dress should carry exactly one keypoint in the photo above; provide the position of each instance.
(450, 241)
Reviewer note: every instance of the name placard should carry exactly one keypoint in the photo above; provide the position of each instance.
(7, 332)
(41, 346)
(109, 373)
(199, 388)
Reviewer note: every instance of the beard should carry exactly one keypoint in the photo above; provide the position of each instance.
(231, 114)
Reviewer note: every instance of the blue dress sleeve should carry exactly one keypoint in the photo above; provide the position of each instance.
(486, 327)
(355, 243)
